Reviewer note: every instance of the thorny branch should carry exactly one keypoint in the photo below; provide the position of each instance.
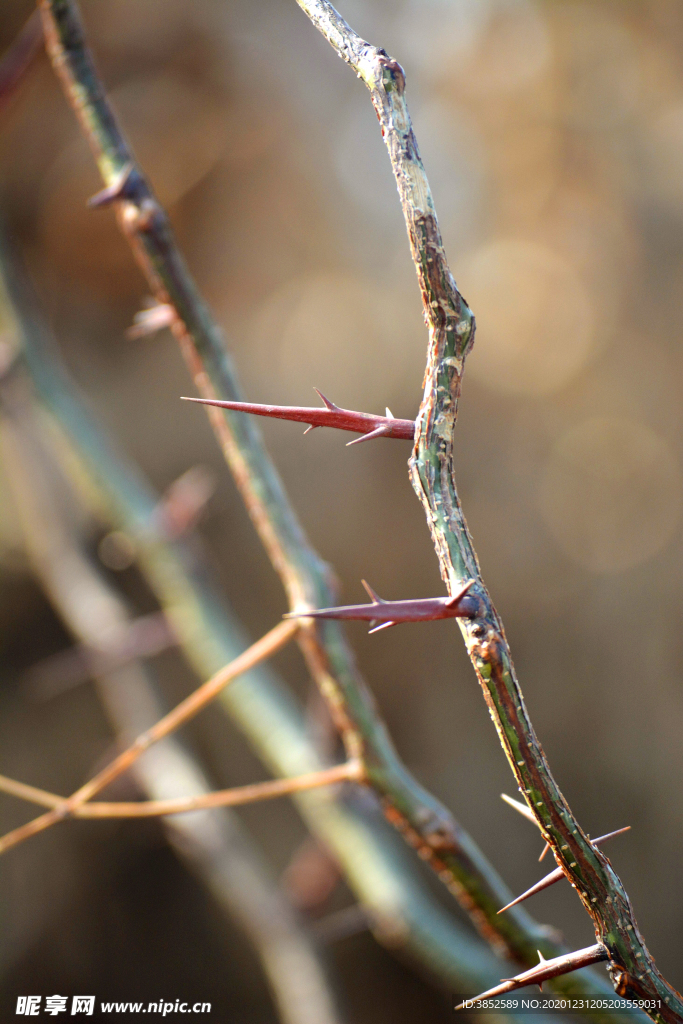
(451, 334)
(397, 907)
(423, 821)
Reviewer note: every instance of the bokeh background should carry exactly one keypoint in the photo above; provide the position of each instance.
(552, 133)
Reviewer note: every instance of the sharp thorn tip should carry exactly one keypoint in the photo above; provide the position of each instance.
(382, 625)
(326, 402)
(376, 599)
(380, 431)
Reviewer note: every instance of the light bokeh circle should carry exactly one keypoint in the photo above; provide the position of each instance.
(611, 493)
(534, 317)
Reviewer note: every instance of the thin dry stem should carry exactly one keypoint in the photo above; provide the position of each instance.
(187, 709)
(30, 793)
(234, 797)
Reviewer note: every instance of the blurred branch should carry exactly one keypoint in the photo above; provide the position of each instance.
(451, 335)
(403, 913)
(187, 709)
(423, 821)
(236, 797)
(142, 637)
(215, 847)
(17, 59)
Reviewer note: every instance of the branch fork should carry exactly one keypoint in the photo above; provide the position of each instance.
(182, 713)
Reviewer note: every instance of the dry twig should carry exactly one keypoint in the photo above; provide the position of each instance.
(349, 771)
(181, 714)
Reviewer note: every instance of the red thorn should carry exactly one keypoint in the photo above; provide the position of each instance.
(143, 637)
(381, 611)
(117, 190)
(544, 971)
(543, 852)
(381, 431)
(183, 504)
(327, 403)
(459, 594)
(330, 416)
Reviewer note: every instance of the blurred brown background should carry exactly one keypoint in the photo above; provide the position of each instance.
(552, 133)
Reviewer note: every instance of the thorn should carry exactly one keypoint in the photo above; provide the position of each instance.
(544, 971)
(331, 415)
(381, 431)
(117, 190)
(544, 851)
(328, 404)
(518, 806)
(541, 958)
(149, 321)
(390, 415)
(311, 427)
(452, 601)
(376, 599)
(610, 835)
(382, 625)
(420, 610)
(545, 883)
(557, 873)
